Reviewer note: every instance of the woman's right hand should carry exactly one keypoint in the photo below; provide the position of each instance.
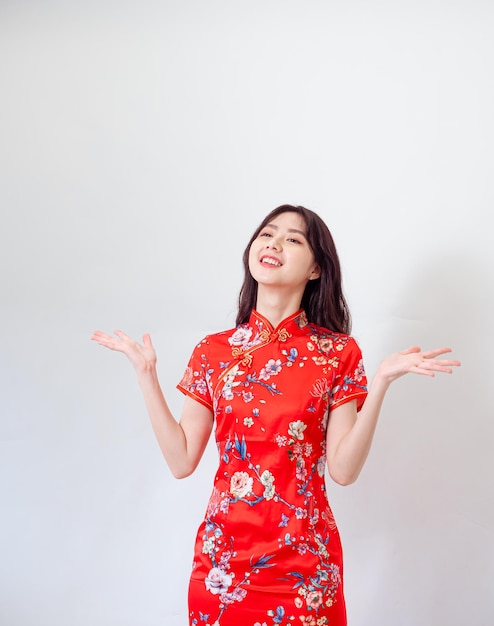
(142, 356)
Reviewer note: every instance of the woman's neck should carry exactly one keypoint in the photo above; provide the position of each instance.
(276, 307)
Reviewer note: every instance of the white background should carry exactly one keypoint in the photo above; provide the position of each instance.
(140, 145)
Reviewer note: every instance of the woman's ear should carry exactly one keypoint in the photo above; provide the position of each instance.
(316, 273)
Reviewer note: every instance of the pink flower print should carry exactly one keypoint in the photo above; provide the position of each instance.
(214, 503)
(240, 337)
(240, 484)
(298, 449)
(224, 560)
(267, 479)
(225, 505)
(271, 368)
(314, 599)
(321, 465)
(201, 387)
(320, 389)
(296, 429)
(230, 384)
(217, 581)
(281, 440)
(321, 547)
(188, 377)
(320, 360)
(238, 594)
(359, 372)
(329, 517)
(301, 470)
(325, 344)
(207, 546)
(300, 513)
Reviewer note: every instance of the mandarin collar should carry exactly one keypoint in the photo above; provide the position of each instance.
(291, 325)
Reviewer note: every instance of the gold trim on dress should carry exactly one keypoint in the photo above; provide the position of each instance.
(283, 334)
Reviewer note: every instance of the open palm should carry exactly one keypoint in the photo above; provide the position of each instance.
(142, 356)
(414, 361)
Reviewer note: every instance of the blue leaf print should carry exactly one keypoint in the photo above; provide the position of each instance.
(262, 562)
(226, 458)
(280, 612)
(288, 540)
(300, 578)
(241, 447)
(204, 616)
(293, 355)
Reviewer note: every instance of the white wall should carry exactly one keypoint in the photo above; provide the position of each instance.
(140, 145)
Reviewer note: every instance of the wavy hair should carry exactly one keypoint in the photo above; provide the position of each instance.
(323, 299)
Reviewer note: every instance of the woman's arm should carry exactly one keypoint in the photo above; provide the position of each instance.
(182, 443)
(349, 434)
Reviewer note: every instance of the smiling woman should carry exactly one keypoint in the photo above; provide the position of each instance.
(287, 395)
(323, 299)
(281, 255)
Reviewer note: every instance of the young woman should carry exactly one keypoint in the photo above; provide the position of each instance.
(286, 393)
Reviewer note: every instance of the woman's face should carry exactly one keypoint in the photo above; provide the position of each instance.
(280, 256)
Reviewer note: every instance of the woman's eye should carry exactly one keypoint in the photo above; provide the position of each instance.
(265, 235)
(292, 240)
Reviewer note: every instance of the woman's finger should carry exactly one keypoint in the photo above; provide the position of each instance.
(431, 354)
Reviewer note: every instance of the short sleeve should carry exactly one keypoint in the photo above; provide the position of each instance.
(350, 381)
(196, 379)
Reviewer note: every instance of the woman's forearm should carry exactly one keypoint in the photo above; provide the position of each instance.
(182, 443)
(169, 433)
(350, 434)
(352, 451)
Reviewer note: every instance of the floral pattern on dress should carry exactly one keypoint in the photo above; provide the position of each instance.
(268, 523)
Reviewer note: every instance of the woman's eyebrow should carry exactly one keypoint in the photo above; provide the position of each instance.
(290, 230)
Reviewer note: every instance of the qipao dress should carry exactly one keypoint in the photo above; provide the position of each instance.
(268, 551)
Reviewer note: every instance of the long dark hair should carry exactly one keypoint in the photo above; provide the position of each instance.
(323, 299)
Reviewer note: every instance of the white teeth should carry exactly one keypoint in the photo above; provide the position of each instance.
(270, 261)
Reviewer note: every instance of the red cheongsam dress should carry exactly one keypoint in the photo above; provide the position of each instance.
(268, 552)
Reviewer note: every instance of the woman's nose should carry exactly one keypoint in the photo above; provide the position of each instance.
(274, 243)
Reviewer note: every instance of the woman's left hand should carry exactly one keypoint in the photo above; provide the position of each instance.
(414, 361)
